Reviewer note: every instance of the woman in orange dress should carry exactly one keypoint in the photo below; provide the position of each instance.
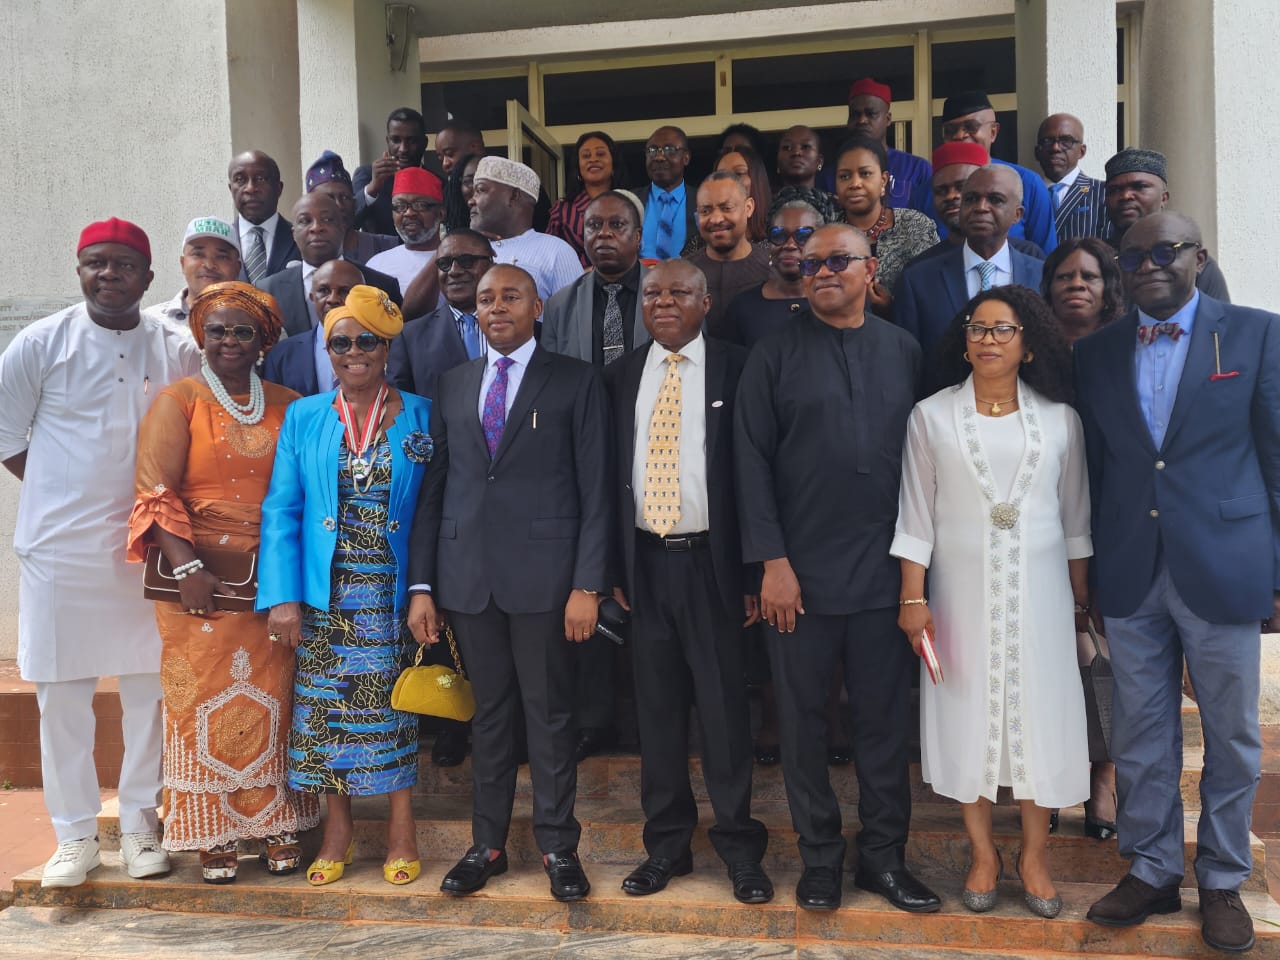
(205, 453)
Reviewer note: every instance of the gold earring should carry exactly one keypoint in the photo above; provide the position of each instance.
(965, 354)
(1028, 357)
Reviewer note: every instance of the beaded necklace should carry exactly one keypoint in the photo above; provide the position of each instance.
(247, 414)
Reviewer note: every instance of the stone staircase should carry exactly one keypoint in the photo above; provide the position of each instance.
(700, 906)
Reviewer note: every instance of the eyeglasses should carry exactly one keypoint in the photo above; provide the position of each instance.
(615, 224)
(1000, 333)
(1048, 143)
(244, 332)
(668, 150)
(778, 236)
(417, 206)
(836, 263)
(971, 127)
(465, 260)
(1162, 254)
(364, 342)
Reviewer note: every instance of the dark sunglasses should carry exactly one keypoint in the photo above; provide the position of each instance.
(1000, 332)
(465, 260)
(836, 263)
(244, 332)
(1162, 254)
(364, 342)
(778, 236)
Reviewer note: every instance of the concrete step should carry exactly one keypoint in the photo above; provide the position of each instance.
(700, 905)
(612, 833)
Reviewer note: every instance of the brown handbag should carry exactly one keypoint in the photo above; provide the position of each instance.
(238, 569)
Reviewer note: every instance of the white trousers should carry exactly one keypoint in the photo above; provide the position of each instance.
(67, 725)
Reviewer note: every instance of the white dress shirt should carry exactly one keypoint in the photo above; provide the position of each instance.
(269, 227)
(515, 372)
(695, 514)
(1003, 264)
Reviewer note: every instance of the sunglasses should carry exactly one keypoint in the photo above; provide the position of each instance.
(1162, 254)
(465, 260)
(364, 342)
(244, 332)
(836, 263)
(778, 236)
(1000, 333)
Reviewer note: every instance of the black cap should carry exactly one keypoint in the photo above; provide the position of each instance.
(963, 104)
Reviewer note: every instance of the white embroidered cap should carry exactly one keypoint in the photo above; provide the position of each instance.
(509, 172)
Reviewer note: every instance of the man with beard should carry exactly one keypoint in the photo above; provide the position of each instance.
(372, 184)
(729, 261)
(417, 200)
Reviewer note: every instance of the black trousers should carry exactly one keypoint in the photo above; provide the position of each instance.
(520, 663)
(594, 692)
(877, 663)
(687, 649)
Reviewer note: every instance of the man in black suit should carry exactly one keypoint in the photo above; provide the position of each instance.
(301, 361)
(406, 144)
(681, 567)
(511, 538)
(449, 335)
(668, 202)
(266, 238)
(319, 226)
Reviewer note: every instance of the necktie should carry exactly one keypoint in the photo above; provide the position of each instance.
(662, 464)
(255, 263)
(1057, 190)
(471, 335)
(613, 345)
(666, 225)
(986, 273)
(494, 419)
(1147, 332)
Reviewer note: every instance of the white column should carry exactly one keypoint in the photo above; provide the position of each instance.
(1066, 52)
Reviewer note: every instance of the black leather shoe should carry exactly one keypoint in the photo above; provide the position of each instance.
(450, 748)
(767, 754)
(1225, 923)
(839, 755)
(1132, 901)
(591, 740)
(819, 889)
(1053, 821)
(654, 875)
(750, 883)
(473, 871)
(568, 881)
(901, 889)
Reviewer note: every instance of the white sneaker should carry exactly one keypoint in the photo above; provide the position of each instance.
(71, 863)
(142, 855)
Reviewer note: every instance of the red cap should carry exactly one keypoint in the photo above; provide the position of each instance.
(116, 230)
(868, 86)
(417, 180)
(960, 151)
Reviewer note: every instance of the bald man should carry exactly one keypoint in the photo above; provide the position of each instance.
(301, 361)
(266, 238)
(1079, 206)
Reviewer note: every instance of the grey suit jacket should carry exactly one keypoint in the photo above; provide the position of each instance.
(566, 320)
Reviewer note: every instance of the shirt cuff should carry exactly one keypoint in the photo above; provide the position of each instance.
(368, 194)
(420, 588)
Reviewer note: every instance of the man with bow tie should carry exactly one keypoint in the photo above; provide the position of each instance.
(1180, 403)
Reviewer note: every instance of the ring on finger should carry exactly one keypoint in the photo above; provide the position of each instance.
(273, 637)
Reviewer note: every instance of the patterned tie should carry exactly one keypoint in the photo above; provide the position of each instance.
(1057, 189)
(666, 226)
(1147, 332)
(471, 335)
(613, 344)
(255, 264)
(495, 407)
(986, 273)
(662, 464)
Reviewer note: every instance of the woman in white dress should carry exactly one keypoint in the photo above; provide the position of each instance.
(995, 507)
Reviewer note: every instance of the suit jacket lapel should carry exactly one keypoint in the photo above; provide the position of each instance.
(954, 282)
(531, 384)
(471, 383)
(581, 318)
(715, 388)
(1122, 373)
(630, 392)
(1199, 366)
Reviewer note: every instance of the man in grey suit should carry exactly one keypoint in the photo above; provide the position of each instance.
(511, 539)
(1180, 403)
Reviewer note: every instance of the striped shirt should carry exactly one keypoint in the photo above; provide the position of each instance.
(549, 260)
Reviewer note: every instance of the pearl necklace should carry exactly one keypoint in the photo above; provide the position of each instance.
(249, 414)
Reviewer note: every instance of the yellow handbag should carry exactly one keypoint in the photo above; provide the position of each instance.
(435, 690)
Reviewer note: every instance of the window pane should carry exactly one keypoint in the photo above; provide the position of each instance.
(482, 102)
(818, 79)
(640, 93)
(973, 65)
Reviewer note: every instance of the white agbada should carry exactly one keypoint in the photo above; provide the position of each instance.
(1011, 708)
(80, 391)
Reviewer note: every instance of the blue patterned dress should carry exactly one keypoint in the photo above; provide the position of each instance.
(345, 738)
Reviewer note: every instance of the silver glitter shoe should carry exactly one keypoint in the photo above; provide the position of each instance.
(982, 902)
(1041, 907)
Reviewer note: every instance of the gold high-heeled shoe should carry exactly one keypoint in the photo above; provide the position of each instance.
(410, 868)
(327, 871)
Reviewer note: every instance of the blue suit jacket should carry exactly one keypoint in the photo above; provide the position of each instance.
(425, 349)
(292, 363)
(1208, 500)
(299, 514)
(932, 291)
(1083, 211)
(1037, 209)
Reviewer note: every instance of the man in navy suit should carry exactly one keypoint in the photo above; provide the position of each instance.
(1079, 207)
(932, 291)
(301, 361)
(1180, 403)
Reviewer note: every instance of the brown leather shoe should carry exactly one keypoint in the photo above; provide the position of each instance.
(1132, 901)
(1225, 924)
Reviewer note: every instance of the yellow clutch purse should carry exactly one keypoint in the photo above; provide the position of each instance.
(435, 690)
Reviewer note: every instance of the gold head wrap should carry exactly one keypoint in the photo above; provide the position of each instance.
(260, 306)
(369, 307)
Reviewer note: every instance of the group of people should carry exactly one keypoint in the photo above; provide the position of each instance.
(939, 410)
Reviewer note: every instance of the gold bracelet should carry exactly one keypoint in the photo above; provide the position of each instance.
(913, 603)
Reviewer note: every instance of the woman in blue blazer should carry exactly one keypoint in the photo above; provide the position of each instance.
(335, 542)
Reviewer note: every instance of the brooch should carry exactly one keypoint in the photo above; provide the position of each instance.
(329, 523)
(418, 447)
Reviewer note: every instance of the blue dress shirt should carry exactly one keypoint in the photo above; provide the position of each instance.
(1157, 368)
(655, 210)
